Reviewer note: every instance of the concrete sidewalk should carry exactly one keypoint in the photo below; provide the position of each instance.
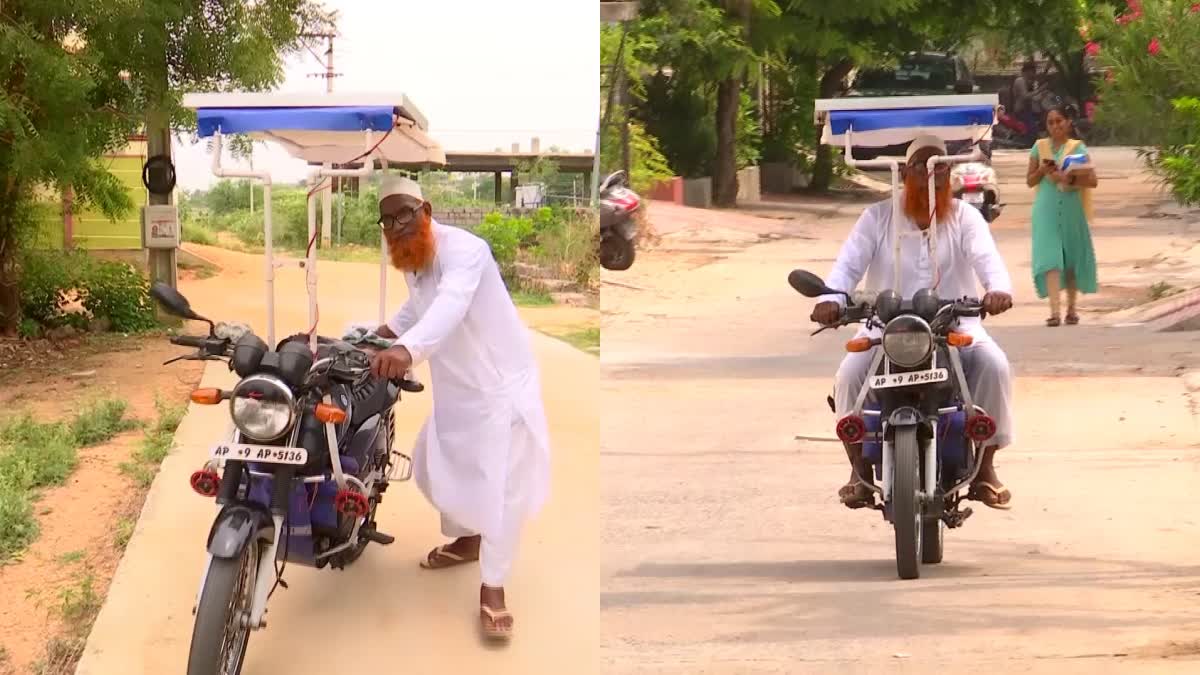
(384, 613)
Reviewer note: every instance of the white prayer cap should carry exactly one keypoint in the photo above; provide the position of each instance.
(925, 141)
(399, 185)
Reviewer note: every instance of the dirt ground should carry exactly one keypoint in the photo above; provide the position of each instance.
(724, 547)
(52, 381)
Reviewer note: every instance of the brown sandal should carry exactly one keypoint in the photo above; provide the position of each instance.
(856, 496)
(1072, 319)
(990, 495)
(489, 623)
(440, 558)
(1054, 322)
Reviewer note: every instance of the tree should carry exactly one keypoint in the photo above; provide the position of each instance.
(706, 45)
(76, 77)
(1150, 92)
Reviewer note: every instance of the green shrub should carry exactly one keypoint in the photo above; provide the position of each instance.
(567, 244)
(51, 280)
(121, 293)
(198, 233)
(504, 234)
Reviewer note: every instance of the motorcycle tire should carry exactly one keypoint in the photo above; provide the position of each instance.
(616, 253)
(906, 512)
(228, 591)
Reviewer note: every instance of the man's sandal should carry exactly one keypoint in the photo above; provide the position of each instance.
(991, 496)
(441, 558)
(856, 496)
(1054, 322)
(489, 623)
(1072, 319)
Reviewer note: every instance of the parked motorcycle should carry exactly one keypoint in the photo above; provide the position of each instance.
(618, 228)
(975, 183)
(921, 432)
(299, 478)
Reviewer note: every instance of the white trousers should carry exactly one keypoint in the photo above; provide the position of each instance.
(986, 369)
(497, 553)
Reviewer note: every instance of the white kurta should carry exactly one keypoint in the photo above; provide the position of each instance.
(966, 253)
(483, 456)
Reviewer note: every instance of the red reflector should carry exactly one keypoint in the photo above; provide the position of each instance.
(350, 503)
(851, 429)
(980, 428)
(206, 483)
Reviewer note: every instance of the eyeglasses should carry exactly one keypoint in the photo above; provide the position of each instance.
(402, 217)
(921, 170)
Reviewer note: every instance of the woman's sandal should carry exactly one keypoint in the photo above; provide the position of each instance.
(1072, 319)
(1053, 322)
(441, 558)
(489, 623)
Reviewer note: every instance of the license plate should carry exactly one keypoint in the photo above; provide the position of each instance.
(973, 197)
(909, 379)
(263, 454)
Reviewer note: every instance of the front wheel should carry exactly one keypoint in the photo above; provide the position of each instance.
(616, 253)
(220, 636)
(906, 512)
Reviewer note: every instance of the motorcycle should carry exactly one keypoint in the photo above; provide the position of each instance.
(299, 478)
(975, 183)
(618, 229)
(922, 434)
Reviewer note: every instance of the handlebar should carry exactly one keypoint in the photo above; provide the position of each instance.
(189, 341)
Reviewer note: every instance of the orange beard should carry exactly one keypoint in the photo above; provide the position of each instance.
(413, 251)
(916, 201)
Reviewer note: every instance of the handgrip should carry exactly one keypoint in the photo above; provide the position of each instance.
(411, 386)
(188, 341)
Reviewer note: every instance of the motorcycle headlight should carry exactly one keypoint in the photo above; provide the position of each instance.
(907, 341)
(263, 407)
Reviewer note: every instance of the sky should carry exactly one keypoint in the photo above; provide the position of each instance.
(485, 74)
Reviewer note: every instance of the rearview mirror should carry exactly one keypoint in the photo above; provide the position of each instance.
(809, 285)
(174, 302)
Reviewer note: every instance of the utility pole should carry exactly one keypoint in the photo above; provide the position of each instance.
(327, 192)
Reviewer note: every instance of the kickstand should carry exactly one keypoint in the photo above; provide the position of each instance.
(954, 517)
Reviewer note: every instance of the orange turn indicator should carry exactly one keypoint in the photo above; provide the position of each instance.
(959, 339)
(206, 396)
(861, 344)
(330, 413)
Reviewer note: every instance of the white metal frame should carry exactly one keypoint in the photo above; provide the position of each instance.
(310, 262)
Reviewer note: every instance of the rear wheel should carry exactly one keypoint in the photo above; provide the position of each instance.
(616, 253)
(221, 634)
(906, 514)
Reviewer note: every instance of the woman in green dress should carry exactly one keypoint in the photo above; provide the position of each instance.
(1062, 243)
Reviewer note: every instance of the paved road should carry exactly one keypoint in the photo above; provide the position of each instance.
(384, 614)
(724, 547)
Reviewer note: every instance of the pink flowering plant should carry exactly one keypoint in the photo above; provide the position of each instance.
(1151, 49)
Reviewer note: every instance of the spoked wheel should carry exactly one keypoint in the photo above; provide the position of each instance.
(616, 253)
(932, 531)
(906, 513)
(221, 633)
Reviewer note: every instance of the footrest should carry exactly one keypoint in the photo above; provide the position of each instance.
(373, 535)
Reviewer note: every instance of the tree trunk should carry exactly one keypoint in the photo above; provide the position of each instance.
(725, 185)
(831, 82)
(10, 288)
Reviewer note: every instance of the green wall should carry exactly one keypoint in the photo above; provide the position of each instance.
(93, 230)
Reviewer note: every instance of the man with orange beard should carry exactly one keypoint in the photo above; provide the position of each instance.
(482, 458)
(965, 252)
